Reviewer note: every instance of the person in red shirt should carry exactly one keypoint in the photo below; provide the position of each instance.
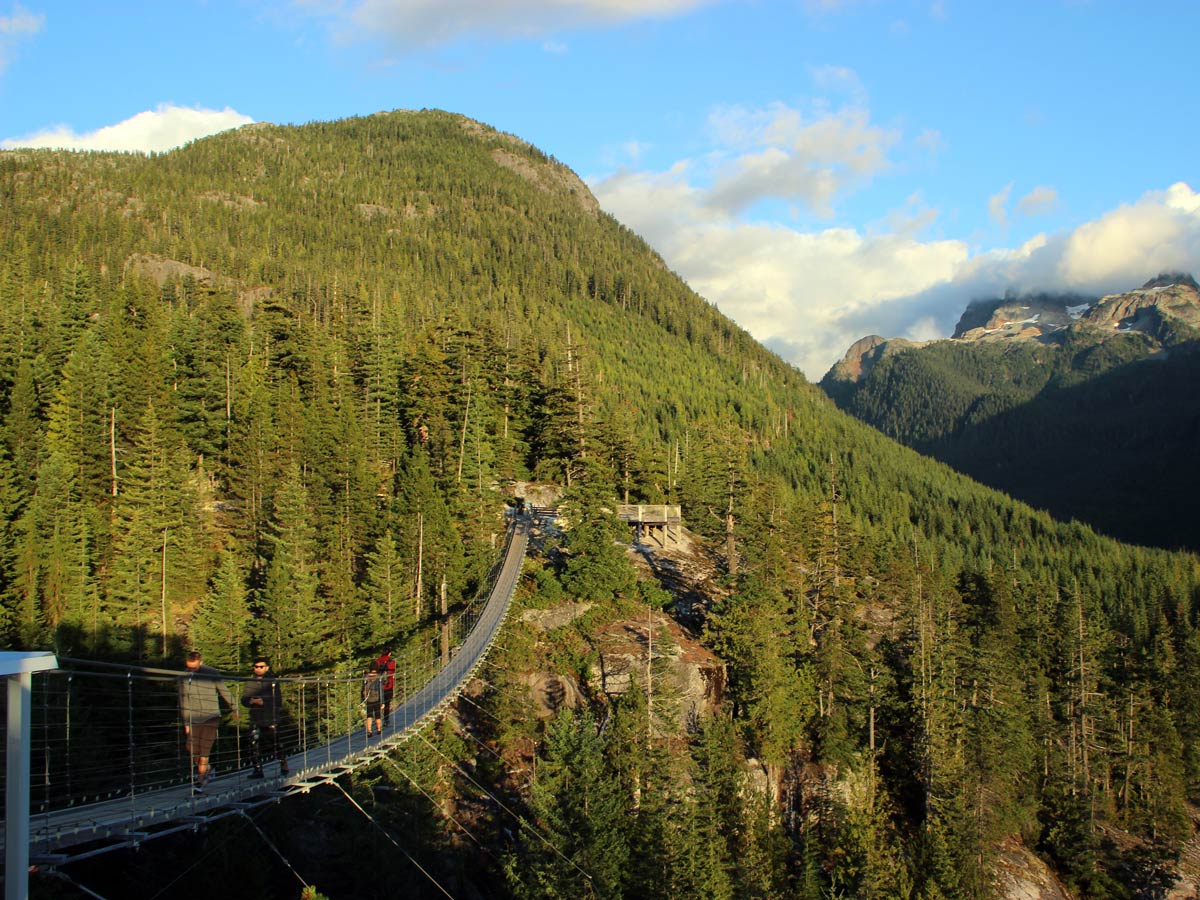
(387, 673)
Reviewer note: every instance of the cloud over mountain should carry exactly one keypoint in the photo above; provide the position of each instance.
(810, 294)
(151, 131)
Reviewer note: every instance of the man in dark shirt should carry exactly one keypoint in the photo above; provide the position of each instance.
(263, 698)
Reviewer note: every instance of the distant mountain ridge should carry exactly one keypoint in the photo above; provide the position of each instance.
(1079, 405)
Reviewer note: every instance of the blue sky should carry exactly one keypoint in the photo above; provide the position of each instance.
(819, 169)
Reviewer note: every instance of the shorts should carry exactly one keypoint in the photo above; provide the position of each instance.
(201, 737)
(374, 710)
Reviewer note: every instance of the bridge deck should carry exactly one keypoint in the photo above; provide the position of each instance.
(62, 834)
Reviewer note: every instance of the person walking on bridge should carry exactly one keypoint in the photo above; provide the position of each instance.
(263, 697)
(387, 677)
(372, 694)
(201, 693)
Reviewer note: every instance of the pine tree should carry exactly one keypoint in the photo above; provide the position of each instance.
(387, 594)
(290, 629)
(578, 809)
(159, 565)
(221, 626)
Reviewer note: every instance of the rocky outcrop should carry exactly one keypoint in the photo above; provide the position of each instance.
(859, 359)
(1149, 308)
(550, 177)
(551, 692)
(1022, 875)
(686, 679)
(162, 270)
(1028, 317)
(556, 616)
(536, 493)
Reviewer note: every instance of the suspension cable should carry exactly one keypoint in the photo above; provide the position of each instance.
(487, 712)
(267, 841)
(467, 732)
(212, 849)
(58, 873)
(388, 835)
(433, 802)
(519, 819)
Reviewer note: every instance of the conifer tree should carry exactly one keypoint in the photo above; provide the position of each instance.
(221, 626)
(159, 567)
(577, 807)
(387, 593)
(290, 629)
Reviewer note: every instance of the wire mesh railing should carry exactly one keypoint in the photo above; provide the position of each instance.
(104, 732)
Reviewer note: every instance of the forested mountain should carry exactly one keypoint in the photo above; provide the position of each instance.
(267, 391)
(1079, 406)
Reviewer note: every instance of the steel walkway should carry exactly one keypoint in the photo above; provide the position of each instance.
(76, 830)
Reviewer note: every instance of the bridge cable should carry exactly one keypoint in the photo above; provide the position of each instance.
(212, 849)
(388, 835)
(433, 802)
(278, 853)
(519, 819)
(486, 712)
(58, 873)
(495, 753)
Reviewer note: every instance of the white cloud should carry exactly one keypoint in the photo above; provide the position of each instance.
(13, 29)
(161, 129)
(805, 295)
(1040, 200)
(841, 79)
(931, 141)
(1160, 232)
(789, 155)
(431, 23)
(998, 206)
(809, 295)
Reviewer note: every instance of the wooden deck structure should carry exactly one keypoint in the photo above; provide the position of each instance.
(658, 523)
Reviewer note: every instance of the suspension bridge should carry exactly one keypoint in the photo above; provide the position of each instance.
(95, 758)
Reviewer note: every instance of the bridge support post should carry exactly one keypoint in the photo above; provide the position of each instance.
(18, 669)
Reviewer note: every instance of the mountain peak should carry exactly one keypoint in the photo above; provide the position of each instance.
(1027, 316)
(861, 358)
(1152, 308)
(1167, 279)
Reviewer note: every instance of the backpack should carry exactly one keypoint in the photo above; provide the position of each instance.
(372, 690)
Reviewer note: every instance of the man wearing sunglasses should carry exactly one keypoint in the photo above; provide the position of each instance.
(262, 696)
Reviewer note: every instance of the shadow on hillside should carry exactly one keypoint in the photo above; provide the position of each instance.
(1117, 451)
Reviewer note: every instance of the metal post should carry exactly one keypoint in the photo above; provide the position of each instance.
(19, 669)
(16, 801)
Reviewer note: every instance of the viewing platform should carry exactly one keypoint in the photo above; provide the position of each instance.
(657, 523)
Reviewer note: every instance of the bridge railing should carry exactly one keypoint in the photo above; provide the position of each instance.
(102, 731)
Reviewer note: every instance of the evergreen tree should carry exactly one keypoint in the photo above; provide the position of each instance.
(159, 562)
(220, 628)
(290, 629)
(578, 810)
(387, 594)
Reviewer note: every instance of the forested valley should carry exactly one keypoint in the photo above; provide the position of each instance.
(1096, 422)
(268, 392)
